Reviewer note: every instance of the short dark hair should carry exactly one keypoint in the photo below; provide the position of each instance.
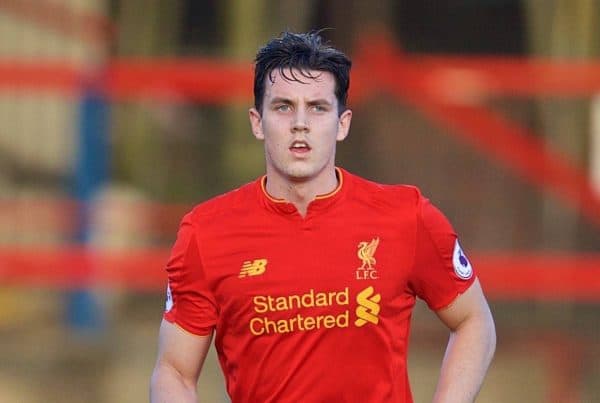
(303, 52)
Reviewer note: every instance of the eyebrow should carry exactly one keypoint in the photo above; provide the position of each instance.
(282, 100)
(319, 101)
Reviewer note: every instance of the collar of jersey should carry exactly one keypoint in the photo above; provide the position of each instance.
(319, 203)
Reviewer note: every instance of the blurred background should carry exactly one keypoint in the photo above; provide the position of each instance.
(118, 116)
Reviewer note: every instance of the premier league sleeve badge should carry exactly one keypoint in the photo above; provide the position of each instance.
(462, 266)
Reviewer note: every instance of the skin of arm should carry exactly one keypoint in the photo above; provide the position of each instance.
(180, 359)
(470, 348)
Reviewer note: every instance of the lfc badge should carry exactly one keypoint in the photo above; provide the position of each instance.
(366, 254)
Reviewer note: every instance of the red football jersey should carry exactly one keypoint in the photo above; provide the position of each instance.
(313, 309)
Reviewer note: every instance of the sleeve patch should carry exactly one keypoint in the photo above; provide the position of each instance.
(462, 266)
(169, 301)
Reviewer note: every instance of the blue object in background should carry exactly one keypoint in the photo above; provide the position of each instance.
(84, 311)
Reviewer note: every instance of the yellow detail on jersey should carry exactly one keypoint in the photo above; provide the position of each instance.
(368, 307)
(310, 299)
(366, 253)
(253, 268)
(298, 323)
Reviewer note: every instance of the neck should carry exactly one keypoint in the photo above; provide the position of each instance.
(300, 192)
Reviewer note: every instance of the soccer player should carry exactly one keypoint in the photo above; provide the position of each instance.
(307, 277)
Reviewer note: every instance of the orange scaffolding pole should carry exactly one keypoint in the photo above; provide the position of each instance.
(539, 277)
(60, 18)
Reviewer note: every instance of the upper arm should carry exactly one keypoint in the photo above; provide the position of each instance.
(182, 352)
(441, 271)
(188, 322)
(470, 305)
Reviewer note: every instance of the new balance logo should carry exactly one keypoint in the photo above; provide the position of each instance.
(368, 307)
(253, 268)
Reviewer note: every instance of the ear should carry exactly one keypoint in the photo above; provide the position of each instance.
(256, 123)
(344, 125)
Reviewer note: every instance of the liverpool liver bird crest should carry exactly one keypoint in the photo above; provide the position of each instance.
(366, 253)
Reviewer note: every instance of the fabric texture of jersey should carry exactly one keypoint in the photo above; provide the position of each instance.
(313, 309)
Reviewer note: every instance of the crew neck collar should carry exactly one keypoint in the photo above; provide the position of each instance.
(319, 203)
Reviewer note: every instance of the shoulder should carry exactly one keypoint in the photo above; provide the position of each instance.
(232, 203)
(389, 195)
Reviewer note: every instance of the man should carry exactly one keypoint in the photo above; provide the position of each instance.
(308, 276)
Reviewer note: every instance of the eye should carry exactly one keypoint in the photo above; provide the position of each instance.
(282, 108)
(319, 108)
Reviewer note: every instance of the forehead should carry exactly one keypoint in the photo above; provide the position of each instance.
(322, 85)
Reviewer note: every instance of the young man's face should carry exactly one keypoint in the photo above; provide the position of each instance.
(300, 126)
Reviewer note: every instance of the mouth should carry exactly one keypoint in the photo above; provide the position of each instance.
(300, 147)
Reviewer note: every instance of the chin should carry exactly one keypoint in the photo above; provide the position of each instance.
(299, 173)
(298, 176)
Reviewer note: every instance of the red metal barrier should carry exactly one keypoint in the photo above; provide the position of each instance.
(547, 277)
(62, 19)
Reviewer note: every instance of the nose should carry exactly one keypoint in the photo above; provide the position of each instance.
(300, 122)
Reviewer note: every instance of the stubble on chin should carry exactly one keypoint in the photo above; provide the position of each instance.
(295, 173)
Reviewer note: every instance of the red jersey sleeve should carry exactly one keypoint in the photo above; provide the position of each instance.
(190, 303)
(442, 271)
